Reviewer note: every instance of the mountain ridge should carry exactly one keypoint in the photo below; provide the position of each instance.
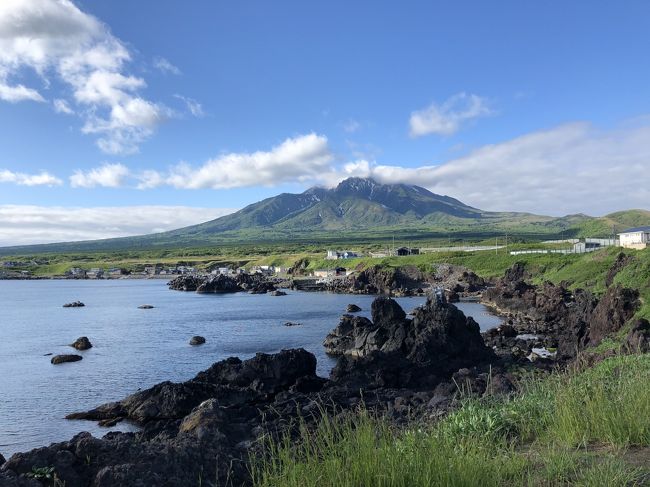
(355, 209)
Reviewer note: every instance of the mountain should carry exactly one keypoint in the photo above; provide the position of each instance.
(355, 203)
(361, 210)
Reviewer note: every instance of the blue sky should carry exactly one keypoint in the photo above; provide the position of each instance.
(147, 115)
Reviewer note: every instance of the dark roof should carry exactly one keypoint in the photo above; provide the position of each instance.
(637, 229)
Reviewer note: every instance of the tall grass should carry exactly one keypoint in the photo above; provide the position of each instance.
(539, 437)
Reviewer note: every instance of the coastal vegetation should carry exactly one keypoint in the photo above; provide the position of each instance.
(582, 427)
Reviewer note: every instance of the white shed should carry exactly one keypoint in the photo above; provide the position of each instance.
(635, 238)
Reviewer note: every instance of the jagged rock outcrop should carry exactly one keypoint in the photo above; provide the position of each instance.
(638, 339)
(556, 316)
(615, 308)
(74, 304)
(457, 280)
(186, 283)
(218, 284)
(393, 350)
(378, 280)
(622, 260)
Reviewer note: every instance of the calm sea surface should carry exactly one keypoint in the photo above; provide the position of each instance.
(135, 348)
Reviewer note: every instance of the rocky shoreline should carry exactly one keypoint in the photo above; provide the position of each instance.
(409, 368)
(456, 281)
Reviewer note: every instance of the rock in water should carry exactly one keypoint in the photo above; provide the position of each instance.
(353, 308)
(82, 343)
(197, 340)
(61, 359)
(74, 304)
(292, 323)
(145, 306)
(278, 293)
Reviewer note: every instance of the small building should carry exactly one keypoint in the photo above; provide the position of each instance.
(224, 271)
(379, 255)
(341, 254)
(635, 238)
(267, 270)
(402, 251)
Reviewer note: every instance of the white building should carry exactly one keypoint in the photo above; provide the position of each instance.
(635, 238)
(341, 254)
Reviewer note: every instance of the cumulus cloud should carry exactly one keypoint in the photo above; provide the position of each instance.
(572, 168)
(164, 66)
(447, 118)
(41, 179)
(23, 225)
(107, 175)
(193, 106)
(54, 37)
(301, 158)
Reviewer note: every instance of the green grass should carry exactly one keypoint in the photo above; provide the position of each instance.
(570, 428)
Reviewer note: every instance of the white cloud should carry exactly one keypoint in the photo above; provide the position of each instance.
(41, 179)
(61, 106)
(55, 37)
(164, 66)
(193, 106)
(301, 158)
(108, 176)
(572, 168)
(351, 126)
(23, 225)
(447, 118)
(14, 94)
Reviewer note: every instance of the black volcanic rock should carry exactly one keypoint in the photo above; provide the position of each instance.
(197, 340)
(559, 317)
(61, 359)
(218, 284)
(82, 343)
(638, 339)
(392, 350)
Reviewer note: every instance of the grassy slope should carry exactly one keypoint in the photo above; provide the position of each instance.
(569, 429)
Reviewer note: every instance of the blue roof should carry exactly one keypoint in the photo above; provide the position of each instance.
(637, 229)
